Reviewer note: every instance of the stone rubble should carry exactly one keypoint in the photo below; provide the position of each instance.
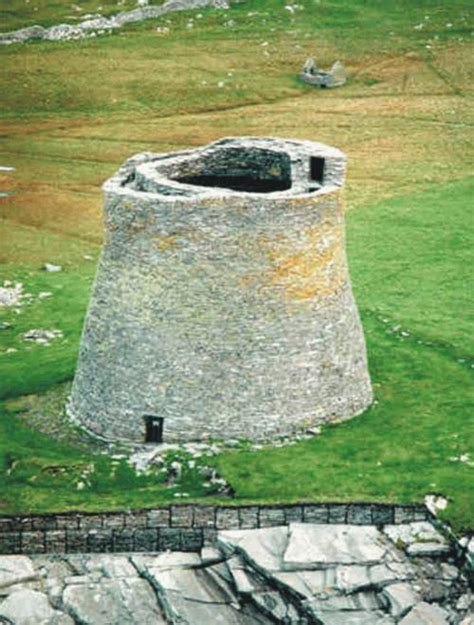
(11, 294)
(302, 574)
(313, 75)
(42, 337)
(98, 25)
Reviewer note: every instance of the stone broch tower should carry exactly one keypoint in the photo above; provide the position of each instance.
(222, 305)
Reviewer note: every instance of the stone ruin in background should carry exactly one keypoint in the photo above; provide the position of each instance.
(222, 305)
(335, 77)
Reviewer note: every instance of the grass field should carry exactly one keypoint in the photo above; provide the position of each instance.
(72, 111)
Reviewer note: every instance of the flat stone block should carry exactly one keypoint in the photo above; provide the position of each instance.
(55, 541)
(135, 520)
(6, 524)
(115, 521)
(315, 514)
(403, 514)
(248, 517)
(209, 536)
(170, 538)
(192, 540)
(227, 518)
(359, 515)
(271, 517)
(337, 514)
(382, 515)
(76, 541)
(293, 514)
(421, 514)
(10, 543)
(123, 540)
(93, 521)
(146, 539)
(99, 541)
(32, 542)
(160, 517)
(67, 522)
(44, 523)
(204, 516)
(181, 516)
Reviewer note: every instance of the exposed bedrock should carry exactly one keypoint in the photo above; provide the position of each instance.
(296, 575)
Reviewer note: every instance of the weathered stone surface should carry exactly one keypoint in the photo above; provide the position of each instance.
(313, 75)
(264, 547)
(418, 538)
(426, 614)
(294, 575)
(194, 595)
(15, 570)
(310, 545)
(113, 601)
(401, 598)
(30, 607)
(208, 325)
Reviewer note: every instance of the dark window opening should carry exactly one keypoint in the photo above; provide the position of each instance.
(317, 169)
(153, 429)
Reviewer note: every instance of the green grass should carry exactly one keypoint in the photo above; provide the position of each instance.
(411, 262)
(16, 14)
(399, 450)
(72, 111)
(35, 367)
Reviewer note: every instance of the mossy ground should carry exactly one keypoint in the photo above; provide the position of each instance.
(73, 111)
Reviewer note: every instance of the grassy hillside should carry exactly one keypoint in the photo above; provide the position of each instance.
(72, 111)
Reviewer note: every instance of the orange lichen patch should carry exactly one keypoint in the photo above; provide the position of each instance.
(308, 269)
(165, 243)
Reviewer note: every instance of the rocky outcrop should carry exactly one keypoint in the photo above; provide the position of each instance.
(294, 575)
(100, 25)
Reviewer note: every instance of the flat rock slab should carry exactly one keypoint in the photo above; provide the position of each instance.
(295, 575)
(15, 570)
(313, 546)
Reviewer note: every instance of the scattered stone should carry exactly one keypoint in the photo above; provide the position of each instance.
(52, 268)
(419, 538)
(42, 337)
(11, 294)
(435, 503)
(335, 77)
(97, 24)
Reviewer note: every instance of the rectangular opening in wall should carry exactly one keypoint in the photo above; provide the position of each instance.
(153, 429)
(316, 165)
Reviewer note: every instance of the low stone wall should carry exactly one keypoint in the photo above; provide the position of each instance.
(178, 527)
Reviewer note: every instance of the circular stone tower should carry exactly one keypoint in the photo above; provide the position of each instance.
(222, 305)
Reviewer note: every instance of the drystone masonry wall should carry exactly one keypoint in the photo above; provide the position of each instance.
(179, 527)
(222, 304)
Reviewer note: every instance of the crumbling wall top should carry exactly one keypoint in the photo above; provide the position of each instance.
(252, 166)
